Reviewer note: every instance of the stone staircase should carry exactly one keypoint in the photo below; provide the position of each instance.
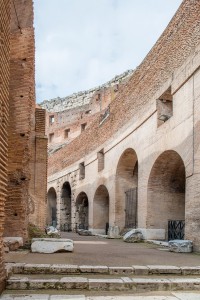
(31, 278)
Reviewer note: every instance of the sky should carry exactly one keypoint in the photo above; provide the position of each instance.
(81, 44)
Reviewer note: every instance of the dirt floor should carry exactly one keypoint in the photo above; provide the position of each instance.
(99, 251)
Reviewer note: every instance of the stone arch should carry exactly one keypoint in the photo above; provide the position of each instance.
(126, 185)
(82, 211)
(52, 207)
(66, 208)
(101, 210)
(166, 191)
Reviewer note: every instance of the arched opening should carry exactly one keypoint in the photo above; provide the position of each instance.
(166, 193)
(101, 210)
(52, 207)
(126, 190)
(65, 208)
(82, 211)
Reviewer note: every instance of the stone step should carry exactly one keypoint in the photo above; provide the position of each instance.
(172, 296)
(22, 268)
(135, 284)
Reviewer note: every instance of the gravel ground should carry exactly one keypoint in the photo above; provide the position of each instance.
(99, 251)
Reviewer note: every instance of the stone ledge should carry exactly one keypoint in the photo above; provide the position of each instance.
(23, 268)
(121, 270)
(159, 269)
(107, 284)
(94, 269)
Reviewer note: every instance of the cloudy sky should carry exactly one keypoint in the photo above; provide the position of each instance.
(81, 44)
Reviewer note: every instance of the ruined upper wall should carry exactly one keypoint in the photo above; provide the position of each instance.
(82, 98)
(136, 99)
(22, 15)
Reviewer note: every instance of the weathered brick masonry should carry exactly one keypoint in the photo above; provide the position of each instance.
(23, 145)
(21, 112)
(4, 102)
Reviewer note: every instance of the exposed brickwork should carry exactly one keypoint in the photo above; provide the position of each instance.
(72, 112)
(23, 145)
(22, 102)
(38, 187)
(173, 47)
(4, 102)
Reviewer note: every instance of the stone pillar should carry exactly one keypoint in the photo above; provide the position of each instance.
(192, 209)
(58, 192)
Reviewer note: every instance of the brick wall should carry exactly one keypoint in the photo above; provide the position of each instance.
(23, 145)
(38, 188)
(21, 111)
(27, 144)
(174, 46)
(4, 99)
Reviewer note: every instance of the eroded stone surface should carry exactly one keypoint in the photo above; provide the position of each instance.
(181, 246)
(114, 232)
(133, 236)
(121, 270)
(52, 245)
(153, 269)
(94, 269)
(12, 243)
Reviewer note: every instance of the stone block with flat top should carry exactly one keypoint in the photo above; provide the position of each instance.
(48, 245)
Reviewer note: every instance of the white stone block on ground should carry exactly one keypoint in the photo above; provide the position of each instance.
(114, 232)
(133, 236)
(45, 245)
(180, 246)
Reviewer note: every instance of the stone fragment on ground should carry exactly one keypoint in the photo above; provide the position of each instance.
(84, 232)
(180, 246)
(51, 230)
(114, 232)
(133, 236)
(12, 243)
(51, 245)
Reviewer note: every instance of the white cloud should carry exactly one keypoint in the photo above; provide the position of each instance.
(83, 43)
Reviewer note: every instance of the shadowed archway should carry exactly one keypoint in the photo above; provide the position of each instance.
(101, 210)
(52, 207)
(166, 191)
(126, 190)
(65, 208)
(82, 211)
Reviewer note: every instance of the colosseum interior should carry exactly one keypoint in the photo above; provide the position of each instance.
(122, 155)
(126, 154)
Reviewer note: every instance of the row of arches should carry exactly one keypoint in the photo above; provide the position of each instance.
(81, 214)
(165, 196)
